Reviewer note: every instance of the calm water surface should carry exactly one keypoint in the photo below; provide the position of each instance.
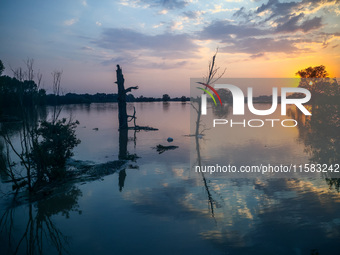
(158, 205)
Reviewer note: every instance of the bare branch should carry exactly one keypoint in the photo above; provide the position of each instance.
(56, 91)
(194, 107)
(30, 70)
(130, 88)
(56, 82)
(18, 73)
(212, 71)
(39, 78)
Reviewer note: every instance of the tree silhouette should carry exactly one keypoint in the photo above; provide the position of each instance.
(2, 68)
(316, 80)
(122, 115)
(166, 98)
(313, 72)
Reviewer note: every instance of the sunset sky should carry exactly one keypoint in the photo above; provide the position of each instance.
(161, 44)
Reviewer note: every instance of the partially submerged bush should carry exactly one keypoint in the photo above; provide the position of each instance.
(53, 146)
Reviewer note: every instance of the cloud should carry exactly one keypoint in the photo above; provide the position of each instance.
(165, 65)
(277, 8)
(98, 23)
(257, 46)
(259, 55)
(167, 44)
(241, 13)
(194, 15)
(132, 3)
(224, 29)
(86, 48)
(164, 4)
(70, 22)
(84, 3)
(137, 61)
(191, 14)
(167, 4)
(311, 24)
(176, 25)
(246, 38)
(158, 25)
(281, 27)
(273, 27)
(121, 60)
(163, 12)
(219, 8)
(291, 25)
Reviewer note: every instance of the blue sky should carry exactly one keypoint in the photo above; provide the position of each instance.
(161, 44)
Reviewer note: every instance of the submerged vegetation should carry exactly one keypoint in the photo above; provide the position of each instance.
(44, 145)
(57, 142)
(42, 153)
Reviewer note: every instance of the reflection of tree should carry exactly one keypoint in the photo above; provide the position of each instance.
(39, 226)
(3, 168)
(21, 125)
(166, 106)
(124, 154)
(121, 179)
(320, 134)
(211, 200)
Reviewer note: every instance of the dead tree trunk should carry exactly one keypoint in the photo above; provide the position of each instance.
(122, 115)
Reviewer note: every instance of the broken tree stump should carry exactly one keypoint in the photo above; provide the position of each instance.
(122, 115)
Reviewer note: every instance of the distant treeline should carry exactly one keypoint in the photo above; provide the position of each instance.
(72, 98)
(14, 92)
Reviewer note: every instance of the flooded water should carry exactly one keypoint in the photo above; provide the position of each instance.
(157, 204)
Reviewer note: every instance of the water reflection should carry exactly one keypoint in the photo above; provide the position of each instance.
(125, 155)
(17, 136)
(272, 216)
(121, 179)
(30, 229)
(321, 137)
(166, 106)
(165, 202)
(220, 111)
(277, 216)
(320, 133)
(3, 162)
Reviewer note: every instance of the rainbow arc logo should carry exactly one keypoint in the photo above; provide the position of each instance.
(209, 93)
